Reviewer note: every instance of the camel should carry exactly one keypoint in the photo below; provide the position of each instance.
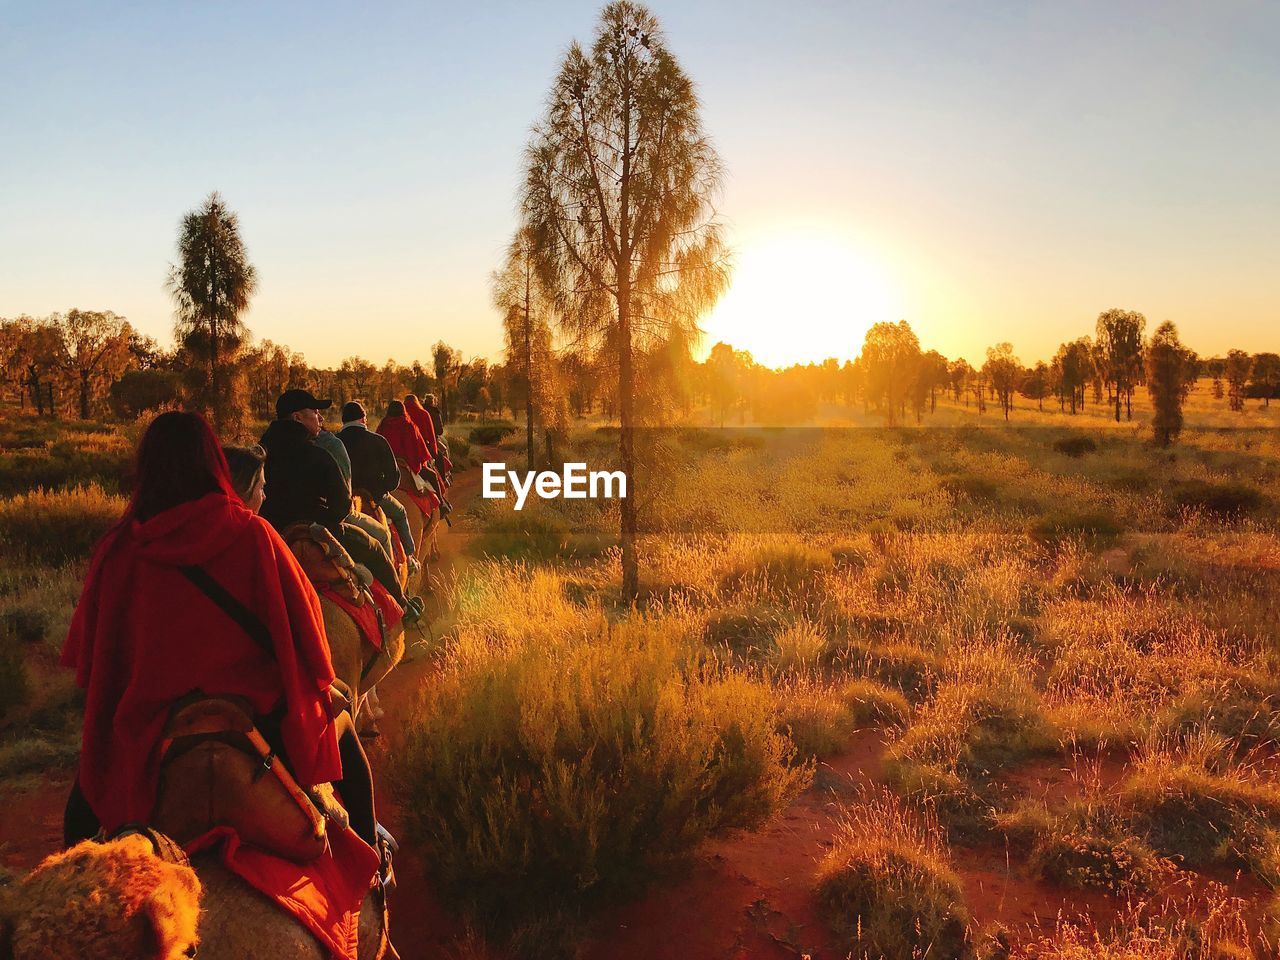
(238, 922)
(355, 662)
(422, 526)
(119, 899)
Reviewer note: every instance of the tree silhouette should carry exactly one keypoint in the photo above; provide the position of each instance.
(211, 286)
(618, 194)
(518, 293)
(891, 353)
(1119, 352)
(93, 346)
(1169, 368)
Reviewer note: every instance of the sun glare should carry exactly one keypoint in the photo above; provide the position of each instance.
(798, 297)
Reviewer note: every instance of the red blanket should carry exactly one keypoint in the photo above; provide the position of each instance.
(325, 895)
(405, 441)
(365, 616)
(427, 501)
(143, 636)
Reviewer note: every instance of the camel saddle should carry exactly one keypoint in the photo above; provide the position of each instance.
(324, 560)
(217, 771)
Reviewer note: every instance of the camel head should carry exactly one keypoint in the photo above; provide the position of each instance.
(102, 901)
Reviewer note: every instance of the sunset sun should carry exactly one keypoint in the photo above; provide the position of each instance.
(802, 296)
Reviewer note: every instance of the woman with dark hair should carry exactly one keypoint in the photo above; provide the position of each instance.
(150, 629)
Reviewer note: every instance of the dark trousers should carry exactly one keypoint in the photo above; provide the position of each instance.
(364, 549)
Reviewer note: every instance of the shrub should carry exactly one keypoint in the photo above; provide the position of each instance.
(816, 717)
(912, 670)
(887, 887)
(872, 702)
(26, 624)
(747, 632)
(784, 569)
(57, 527)
(970, 487)
(14, 682)
(36, 754)
(1226, 500)
(490, 434)
(526, 535)
(560, 757)
(1090, 847)
(1075, 447)
(800, 646)
(1093, 526)
(1189, 800)
(978, 727)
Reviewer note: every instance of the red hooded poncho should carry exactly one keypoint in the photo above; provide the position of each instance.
(406, 442)
(421, 418)
(143, 636)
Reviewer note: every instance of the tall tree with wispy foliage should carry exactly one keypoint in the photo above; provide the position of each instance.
(518, 294)
(211, 286)
(1120, 352)
(618, 195)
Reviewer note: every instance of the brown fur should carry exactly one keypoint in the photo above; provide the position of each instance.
(104, 902)
(118, 901)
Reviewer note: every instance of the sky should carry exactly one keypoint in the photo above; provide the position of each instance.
(988, 171)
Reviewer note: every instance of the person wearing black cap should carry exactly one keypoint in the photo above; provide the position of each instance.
(304, 485)
(373, 468)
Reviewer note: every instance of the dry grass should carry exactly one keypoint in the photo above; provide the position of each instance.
(887, 886)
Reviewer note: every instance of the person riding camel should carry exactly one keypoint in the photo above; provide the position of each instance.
(373, 468)
(404, 438)
(443, 463)
(246, 466)
(330, 441)
(304, 485)
(170, 596)
(423, 420)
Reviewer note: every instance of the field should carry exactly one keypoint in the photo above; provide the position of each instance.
(971, 689)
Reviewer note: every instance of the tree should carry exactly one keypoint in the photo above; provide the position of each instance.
(959, 375)
(1264, 377)
(1237, 369)
(1004, 372)
(891, 353)
(93, 347)
(1036, 384)
(1169, 368)
(518, 293)
(444, 361)
(34, 352)
(617, 193)
(211, 286)
(1119, 347)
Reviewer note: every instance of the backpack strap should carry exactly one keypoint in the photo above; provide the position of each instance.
(245, 618)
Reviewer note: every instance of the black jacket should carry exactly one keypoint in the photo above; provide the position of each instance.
(304, 484)
(373, 465)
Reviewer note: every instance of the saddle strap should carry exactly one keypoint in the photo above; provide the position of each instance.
(245, 618)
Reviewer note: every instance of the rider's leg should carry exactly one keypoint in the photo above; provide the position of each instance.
(364, 549)
(79, 822)
(396, 515)
(356, 785)
(379, 531)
